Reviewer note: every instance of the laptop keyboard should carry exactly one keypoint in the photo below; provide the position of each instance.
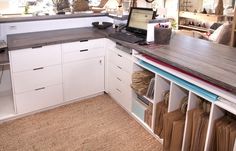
(126, 37)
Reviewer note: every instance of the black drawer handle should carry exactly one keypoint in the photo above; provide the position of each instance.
(119, 67)
(83, 50)
(118, 79)
(39, 89)
(119, 55)
(37, 47)
(84, 40)
(118, 90)
(40, 68)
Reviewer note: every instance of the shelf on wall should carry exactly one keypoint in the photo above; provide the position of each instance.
(194, 28)
(201, 16)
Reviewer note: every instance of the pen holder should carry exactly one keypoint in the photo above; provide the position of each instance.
(162, 35)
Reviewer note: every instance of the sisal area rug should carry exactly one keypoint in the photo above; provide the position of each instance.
(96, 124)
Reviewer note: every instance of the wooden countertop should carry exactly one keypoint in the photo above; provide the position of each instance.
(22, 18)
(25, 18)
(211, 62)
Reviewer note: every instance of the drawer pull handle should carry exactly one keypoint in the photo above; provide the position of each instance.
(83, 50)
(84, 40)
(37, 47)
(118, 90)
(40, 68)
(118, 79)
(40, 89)
(119, 55)
(119, 67)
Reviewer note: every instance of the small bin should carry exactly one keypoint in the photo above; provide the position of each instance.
(162, 35)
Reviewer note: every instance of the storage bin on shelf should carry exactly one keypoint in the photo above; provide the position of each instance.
(143, 86)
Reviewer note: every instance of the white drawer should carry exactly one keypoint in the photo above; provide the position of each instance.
(30, 58)
(81, 45)
(120, 60)
(120, 74)
(34, 79)
(39, 99)
(83, 54)
(121, 93)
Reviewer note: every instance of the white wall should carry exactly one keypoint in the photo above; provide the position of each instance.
(172, 7)
(44, 25)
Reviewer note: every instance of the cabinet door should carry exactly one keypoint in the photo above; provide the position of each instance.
(83, 78)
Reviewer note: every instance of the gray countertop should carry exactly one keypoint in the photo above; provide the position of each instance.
(28, 40)
(211, 62)
(23, 18)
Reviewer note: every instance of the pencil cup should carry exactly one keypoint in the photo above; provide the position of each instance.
(162, 35)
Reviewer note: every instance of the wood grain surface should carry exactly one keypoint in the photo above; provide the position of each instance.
(212, 62)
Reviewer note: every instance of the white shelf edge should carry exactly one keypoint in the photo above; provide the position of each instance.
(142, 122)
(150, 100)
(226, 107)
(147, 128)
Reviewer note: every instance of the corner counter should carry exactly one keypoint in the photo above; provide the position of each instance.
(208, 61)
(9, 19)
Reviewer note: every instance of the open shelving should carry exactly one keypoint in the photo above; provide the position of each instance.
(179, 89)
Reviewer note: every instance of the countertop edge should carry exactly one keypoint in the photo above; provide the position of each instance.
(55, 17)
(49, 17)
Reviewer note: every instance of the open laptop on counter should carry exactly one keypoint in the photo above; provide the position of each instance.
(136, 27)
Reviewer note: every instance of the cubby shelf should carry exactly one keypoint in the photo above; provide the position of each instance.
(177, 93)
(142, 122)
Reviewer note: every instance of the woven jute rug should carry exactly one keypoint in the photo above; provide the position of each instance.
(96, 124)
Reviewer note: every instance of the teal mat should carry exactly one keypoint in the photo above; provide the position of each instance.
(187, 85)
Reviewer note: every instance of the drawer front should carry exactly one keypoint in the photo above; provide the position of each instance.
(81, 45)
(30, 58)
(120, 60)
(120, 74)
(39, 99)
(41, 77)
(83, 54)
(121, 93)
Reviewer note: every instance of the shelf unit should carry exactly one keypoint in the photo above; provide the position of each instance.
(185, 17)
(177, 92)
(233, 34)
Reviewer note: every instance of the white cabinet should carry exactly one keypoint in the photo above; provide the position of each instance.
(33, 58)
(83, 78)
(36, 77)
(39, 98)
(48, 75)
(83, 68)
(119, 69)
(44, 76)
